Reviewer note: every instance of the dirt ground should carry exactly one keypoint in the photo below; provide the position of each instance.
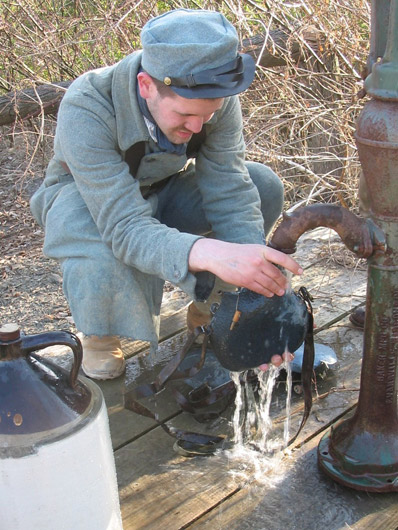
(31, 285)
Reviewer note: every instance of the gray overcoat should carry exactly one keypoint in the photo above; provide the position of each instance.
(95, 212)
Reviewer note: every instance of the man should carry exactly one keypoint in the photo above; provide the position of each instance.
(120, 229)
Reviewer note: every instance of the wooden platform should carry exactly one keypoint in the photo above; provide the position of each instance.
(161, 490)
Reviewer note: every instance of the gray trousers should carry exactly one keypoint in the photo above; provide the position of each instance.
(102, 291)
(180, 202)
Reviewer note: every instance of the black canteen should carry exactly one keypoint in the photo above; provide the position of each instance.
(247, 329)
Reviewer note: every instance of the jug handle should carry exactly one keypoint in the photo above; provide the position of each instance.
(31, 343)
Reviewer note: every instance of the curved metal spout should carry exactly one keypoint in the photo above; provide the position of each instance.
(362, 236)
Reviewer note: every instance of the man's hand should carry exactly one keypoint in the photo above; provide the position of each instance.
(244, 265)
(277, 360)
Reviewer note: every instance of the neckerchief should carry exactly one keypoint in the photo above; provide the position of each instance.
(157, 135)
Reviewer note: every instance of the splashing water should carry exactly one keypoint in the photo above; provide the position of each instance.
(256, 453)
(286, 427)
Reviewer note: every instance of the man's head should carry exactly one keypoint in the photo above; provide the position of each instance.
(195, 53)
(191, 63)
(177, 117)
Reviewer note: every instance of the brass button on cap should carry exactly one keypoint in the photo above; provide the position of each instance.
(167, 81)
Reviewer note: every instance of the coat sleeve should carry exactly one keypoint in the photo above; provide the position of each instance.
(86, 141)
(231, 200)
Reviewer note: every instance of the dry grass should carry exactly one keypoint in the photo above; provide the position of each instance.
(299, 118)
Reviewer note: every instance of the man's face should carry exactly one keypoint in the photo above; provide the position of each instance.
(179, 118)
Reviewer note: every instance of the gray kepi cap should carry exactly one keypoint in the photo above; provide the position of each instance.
(195, 52)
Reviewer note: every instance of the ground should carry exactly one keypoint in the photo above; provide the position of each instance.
(31, 285)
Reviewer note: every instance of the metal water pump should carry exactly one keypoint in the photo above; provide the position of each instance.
(362, 452)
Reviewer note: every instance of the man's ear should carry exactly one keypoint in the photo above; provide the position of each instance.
(146, 85)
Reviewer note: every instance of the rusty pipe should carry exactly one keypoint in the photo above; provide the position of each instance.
(362, 236)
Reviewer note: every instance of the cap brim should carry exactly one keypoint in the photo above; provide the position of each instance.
(221, 91)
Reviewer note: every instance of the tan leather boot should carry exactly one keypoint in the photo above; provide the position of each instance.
(102, 357)
(196, 318)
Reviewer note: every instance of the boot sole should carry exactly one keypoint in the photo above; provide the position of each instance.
(103, 376)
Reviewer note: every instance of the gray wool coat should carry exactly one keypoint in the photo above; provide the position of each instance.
(93, 211)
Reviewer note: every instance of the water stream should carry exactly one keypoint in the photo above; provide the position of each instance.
(258, 449)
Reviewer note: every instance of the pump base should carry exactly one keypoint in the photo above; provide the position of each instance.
(334, 467)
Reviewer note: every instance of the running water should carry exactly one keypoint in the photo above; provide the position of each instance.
(286, 426)
(257, 451)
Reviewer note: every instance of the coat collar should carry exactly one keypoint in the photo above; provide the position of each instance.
(130, 125)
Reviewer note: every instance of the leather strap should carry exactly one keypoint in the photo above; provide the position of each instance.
(136, 152)
(307, 368)
(195, 444)
(227, 73)
(190, 443)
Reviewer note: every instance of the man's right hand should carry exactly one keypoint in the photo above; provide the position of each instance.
(244, 265)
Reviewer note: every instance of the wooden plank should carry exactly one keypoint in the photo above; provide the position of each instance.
(159, 489)
(160, 492)
(303, 498)
(382, 519)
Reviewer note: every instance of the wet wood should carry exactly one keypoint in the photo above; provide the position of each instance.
(159, 489)
(385, 519)
(162, 489)
(304, 498)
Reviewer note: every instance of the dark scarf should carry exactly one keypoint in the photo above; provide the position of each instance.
(161, 139)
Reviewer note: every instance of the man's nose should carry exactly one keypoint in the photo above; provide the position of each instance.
(194, 124)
